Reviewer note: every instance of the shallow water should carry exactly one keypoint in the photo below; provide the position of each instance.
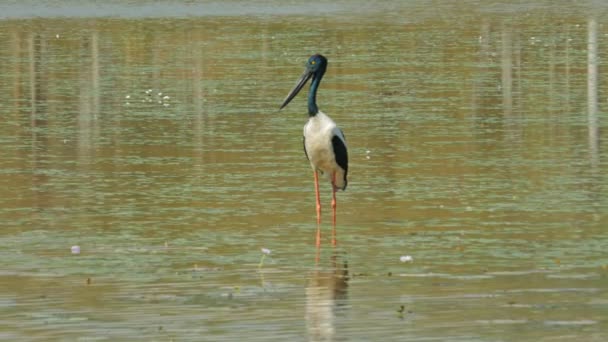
(149, 136)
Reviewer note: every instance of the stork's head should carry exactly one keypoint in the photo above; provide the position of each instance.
(315, 68)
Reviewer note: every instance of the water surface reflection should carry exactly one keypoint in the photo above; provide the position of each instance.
(153, 143)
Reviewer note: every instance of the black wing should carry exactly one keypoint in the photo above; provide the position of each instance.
(340, 153)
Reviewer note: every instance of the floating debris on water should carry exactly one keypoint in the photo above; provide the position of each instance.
(75, 249)
(151, 96)
(406, 258)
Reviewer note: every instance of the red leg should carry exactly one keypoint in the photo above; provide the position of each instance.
(318, 239)
(334, 242)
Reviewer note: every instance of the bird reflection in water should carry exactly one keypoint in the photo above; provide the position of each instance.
(326, 298)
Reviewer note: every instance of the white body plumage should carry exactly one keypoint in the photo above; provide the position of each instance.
(325, 148)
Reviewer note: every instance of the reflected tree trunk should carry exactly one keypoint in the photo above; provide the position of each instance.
(16, 40)
(89, 102)
(38, 120)
(484, 59)
(567, 48)
(507, 71)
(553, 77)
(592, 91)
(201, 118)
(510, 57)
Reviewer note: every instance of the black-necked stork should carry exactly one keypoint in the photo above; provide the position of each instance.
(324, 142)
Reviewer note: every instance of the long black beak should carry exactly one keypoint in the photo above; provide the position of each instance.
(301, 82)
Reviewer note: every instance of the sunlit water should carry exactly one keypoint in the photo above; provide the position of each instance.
(150, 137)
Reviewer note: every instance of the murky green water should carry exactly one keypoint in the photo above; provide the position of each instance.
(148, 135)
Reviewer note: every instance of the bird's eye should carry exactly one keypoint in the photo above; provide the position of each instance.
(313, 62)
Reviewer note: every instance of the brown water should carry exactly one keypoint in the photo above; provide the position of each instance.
(148, 135)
